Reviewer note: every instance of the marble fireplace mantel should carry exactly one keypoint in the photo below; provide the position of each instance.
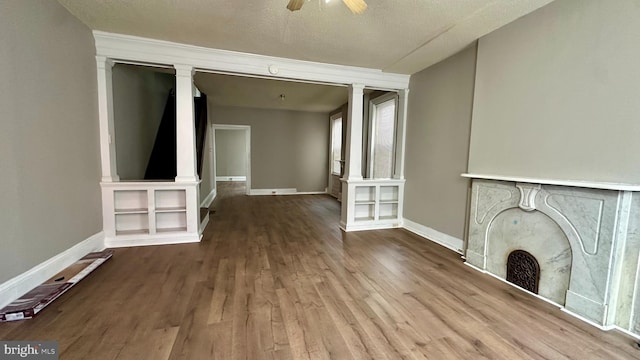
(573, 183)
(594, 226)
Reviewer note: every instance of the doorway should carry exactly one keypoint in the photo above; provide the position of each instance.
(232, 154)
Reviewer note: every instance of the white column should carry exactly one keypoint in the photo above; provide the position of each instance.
(353, 153)
(185, 125)
(401, 133)
(105, 117)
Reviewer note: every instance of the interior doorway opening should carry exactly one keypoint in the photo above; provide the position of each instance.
(232, 154)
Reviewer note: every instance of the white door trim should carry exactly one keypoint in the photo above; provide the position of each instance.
(247, 132)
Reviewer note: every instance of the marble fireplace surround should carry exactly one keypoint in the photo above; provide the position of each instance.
(586, 237)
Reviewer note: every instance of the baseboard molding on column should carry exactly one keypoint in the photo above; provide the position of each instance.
(209, 199)
(203, 224)
(434, 235)
(231, 178)
(309, 193)
(169, 238)
(283, 192)
(25, 282)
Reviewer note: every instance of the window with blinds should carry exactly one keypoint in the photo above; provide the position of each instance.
(383, 133)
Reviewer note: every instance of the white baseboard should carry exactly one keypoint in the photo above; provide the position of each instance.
(231, 178)
(309, 193)
(204, 223)
(13, 288)
(434, 235)
(291, 191)
(272, 191)
(562, 308)
(368, 226)
(522, 289)
(147, 240)
(209, 199)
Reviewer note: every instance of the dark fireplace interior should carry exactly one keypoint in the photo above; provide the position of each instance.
(523, 270)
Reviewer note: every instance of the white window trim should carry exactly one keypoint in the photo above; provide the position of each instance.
(372, 112)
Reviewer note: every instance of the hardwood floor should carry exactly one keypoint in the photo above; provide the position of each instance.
(274, 278)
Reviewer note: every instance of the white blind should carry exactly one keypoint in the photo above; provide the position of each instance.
(384, 124)
(336, 146)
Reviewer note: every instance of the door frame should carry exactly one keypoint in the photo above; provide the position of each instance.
(247, 132)
(332, 117)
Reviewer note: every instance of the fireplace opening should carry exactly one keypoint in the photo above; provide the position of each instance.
(523, 270)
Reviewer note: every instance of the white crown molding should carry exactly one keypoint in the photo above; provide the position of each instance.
(13, 288)
(574, 183)
(134, 48)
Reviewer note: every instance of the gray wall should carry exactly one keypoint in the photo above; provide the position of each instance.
(139, 98)
(231, 153)
(49, 152)
(438, 124)
(289, 149)
(557, 94)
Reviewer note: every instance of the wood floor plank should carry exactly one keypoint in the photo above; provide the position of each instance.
(275, 278)
(154, 343)
(221, 304)
(301, 346)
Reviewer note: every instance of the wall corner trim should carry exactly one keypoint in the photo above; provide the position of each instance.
(13, 288)
(434, 235)
(206, 203)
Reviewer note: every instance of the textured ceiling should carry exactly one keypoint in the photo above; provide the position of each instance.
(229, 90)
(402, 36)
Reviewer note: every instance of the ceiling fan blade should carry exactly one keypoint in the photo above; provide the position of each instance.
(295, 5)
(356, 6)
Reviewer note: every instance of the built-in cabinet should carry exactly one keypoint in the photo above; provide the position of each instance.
(373, 204)
(150, 213)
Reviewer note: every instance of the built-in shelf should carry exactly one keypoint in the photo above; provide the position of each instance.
(132, 232)
(130, 201)
(132, 222)
(389, 193)
(170, 209)
(388, 211)
(170, 199)
(167, 230)
(149, 212)
(375, 204)
(365, 212)
(365, 194)
(132, 211)
(171, 220)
